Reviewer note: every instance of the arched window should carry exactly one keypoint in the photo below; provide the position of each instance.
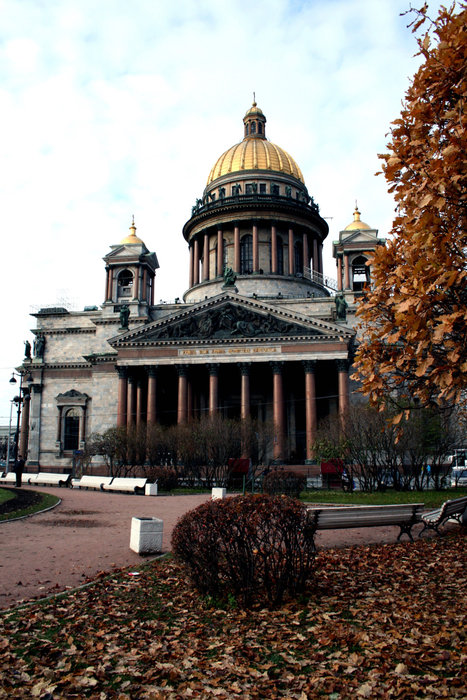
(360, 273)
(124, 283)
(280, 256)
(253, 128)
(298, 256)
(71, 429)
(260, 128)
(246, 254)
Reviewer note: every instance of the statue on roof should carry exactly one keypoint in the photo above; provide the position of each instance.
(341, 307)
(229, 277)
(124, 316)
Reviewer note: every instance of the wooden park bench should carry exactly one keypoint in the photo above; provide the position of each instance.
(127, 484)
(454, 509)
(88, 481)
(48, 479)
(403, 515)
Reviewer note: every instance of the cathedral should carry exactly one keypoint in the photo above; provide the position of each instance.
(259, 332)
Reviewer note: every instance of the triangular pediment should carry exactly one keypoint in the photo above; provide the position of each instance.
(359, 236)
(230, 318)
(131, 253)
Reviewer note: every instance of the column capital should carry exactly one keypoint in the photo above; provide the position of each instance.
(342, 365)
(182, 370)
(309, 366)
(244, 368)
(213, 368)
(122, 372)
(151, 370)
(277, 367)
(131, 379)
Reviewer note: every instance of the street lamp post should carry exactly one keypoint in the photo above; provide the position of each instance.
(9, 440)
(18, 400)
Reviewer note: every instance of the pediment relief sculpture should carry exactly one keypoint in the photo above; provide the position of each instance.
(229, 322)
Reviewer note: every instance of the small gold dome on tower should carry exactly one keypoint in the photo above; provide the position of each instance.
(357, 224)
(132, 238)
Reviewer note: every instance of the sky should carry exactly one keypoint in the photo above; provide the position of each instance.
(112, 108)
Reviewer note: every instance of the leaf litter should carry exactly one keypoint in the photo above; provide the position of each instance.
(384, 621)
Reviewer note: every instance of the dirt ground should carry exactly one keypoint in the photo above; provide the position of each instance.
(89, 533)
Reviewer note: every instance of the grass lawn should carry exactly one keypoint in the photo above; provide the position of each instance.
(5, 495)
(15, 503)
(384, 621)
(431, 499)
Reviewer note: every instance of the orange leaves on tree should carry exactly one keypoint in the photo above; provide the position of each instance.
(414, 319)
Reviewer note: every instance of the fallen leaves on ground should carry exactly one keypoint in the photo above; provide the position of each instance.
(383, 621)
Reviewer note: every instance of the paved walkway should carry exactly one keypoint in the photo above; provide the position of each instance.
(89, 532)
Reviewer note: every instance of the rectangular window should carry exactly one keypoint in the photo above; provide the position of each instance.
(262, 188)
(275, 189)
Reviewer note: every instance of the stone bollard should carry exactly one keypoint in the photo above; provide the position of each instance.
(146, 535)
(218, 493)
(150, 489)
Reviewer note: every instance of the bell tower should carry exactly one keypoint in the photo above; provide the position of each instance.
(352, 251)
(130, 273)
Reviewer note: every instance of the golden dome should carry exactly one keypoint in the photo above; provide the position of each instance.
(132, 238)
(255, 152)
(357, 224)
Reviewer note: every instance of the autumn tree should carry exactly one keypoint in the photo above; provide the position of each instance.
(414, 341)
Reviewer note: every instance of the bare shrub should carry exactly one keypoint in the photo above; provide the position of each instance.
(254, 548)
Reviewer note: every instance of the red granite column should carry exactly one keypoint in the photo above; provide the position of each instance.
(220, 252)
(196, 262)
(189, 402)
(278, 409)
(245, 390)
(343, 388)
(206, 258)
(306, 252)
(291, 253)
(236, 249)
(152, 379)
(255, 249)
(339, 274)
(346, 272)
(213, 389)
(139, 402)
(190, 279)
(273, 250)
(122, 396)
(136, 284)
(310, 407)
(315, 256)
(182, 394)
(131, 401)
(107, 284)
(245, 401)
